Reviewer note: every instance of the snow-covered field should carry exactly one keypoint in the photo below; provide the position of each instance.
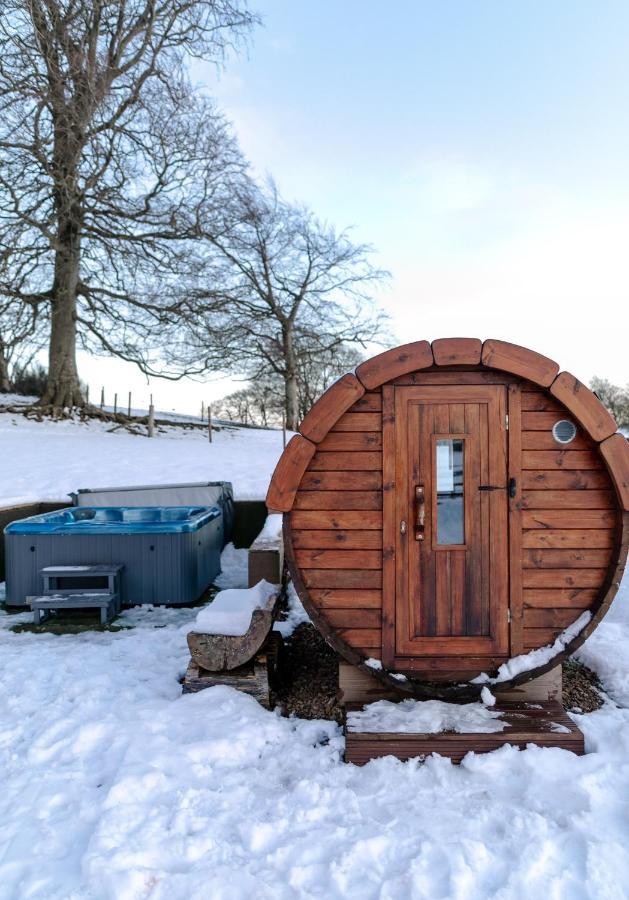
(48, 460)
(114, 785)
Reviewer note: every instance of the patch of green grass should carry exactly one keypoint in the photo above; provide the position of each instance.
(70, 621)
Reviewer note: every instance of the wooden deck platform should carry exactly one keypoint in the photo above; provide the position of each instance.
(544, 724)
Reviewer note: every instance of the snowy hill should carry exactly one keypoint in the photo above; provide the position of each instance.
(46, 460)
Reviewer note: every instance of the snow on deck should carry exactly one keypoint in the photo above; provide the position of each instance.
(47, 460)
(424, 717)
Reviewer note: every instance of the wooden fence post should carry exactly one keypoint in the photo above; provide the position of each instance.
(209, 422)
(102, 397)
(115, 404)
(202, 411)
(129, 406)
(284, 431)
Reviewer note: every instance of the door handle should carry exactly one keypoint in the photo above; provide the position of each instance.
(420, 512)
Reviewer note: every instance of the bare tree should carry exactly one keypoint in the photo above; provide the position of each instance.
(615, 398)
(293, 291)
(261, 402)
(110, 162)
(21, 338)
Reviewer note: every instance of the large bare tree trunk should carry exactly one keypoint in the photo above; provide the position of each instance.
(5, 385)
(63, 388)
(291, 391)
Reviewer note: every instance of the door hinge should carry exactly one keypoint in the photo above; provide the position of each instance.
(509, 616)
(507, 421)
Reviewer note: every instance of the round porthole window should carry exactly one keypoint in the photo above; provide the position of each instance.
(564, 431)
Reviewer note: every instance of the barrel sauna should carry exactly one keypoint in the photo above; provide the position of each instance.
(450, 506)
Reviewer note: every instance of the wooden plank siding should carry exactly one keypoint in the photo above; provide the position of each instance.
(565, 514)
(337, 525)
(569, 520)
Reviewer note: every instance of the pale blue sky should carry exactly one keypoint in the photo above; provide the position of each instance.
(483, 147)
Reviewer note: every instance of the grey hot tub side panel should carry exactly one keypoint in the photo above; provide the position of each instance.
(177, 569)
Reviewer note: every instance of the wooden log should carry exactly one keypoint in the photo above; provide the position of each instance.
(544, 440)
(569, 480)
(346, 462)
(337, 520)
(566, 519)
(561, 459)
(565, 559)
(371, 401)
(254, 678)
(457, 351)
(351, 440)
(519, 361)
(584, 406)
(340, 599)
(540, 401)
(568, 539)
(615, 451)
(330, 407)
(222, 652)
(288, 473)
(348, 559)
(358, 421)
(337, 540)
(393, 363)
(343, 481)
(568, 500)
(334, 500)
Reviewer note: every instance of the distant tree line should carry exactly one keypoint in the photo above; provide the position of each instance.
(130, 223)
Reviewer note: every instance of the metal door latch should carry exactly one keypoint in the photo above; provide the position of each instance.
(402, 527)
(511, 487)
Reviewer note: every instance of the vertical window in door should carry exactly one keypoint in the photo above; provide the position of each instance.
(450, 469)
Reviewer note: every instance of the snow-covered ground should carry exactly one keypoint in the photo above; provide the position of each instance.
(114, 785)
(47, 460)
(117, 786)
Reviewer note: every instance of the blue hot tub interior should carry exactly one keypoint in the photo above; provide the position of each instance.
(117, 520)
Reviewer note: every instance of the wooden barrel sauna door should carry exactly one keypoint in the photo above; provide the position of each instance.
(448, 516)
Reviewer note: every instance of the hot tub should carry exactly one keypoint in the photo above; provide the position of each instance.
(170, 554)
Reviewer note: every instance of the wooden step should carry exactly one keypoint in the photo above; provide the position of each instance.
(108, 603)
(72, 599)
(79, 571)
(528, 723)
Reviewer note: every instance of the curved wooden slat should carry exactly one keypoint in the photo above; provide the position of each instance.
(584, 406)
(615, 452)
(288, 473)
(330, 407)
(457, 351)
(519, 361)
(393, 363)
